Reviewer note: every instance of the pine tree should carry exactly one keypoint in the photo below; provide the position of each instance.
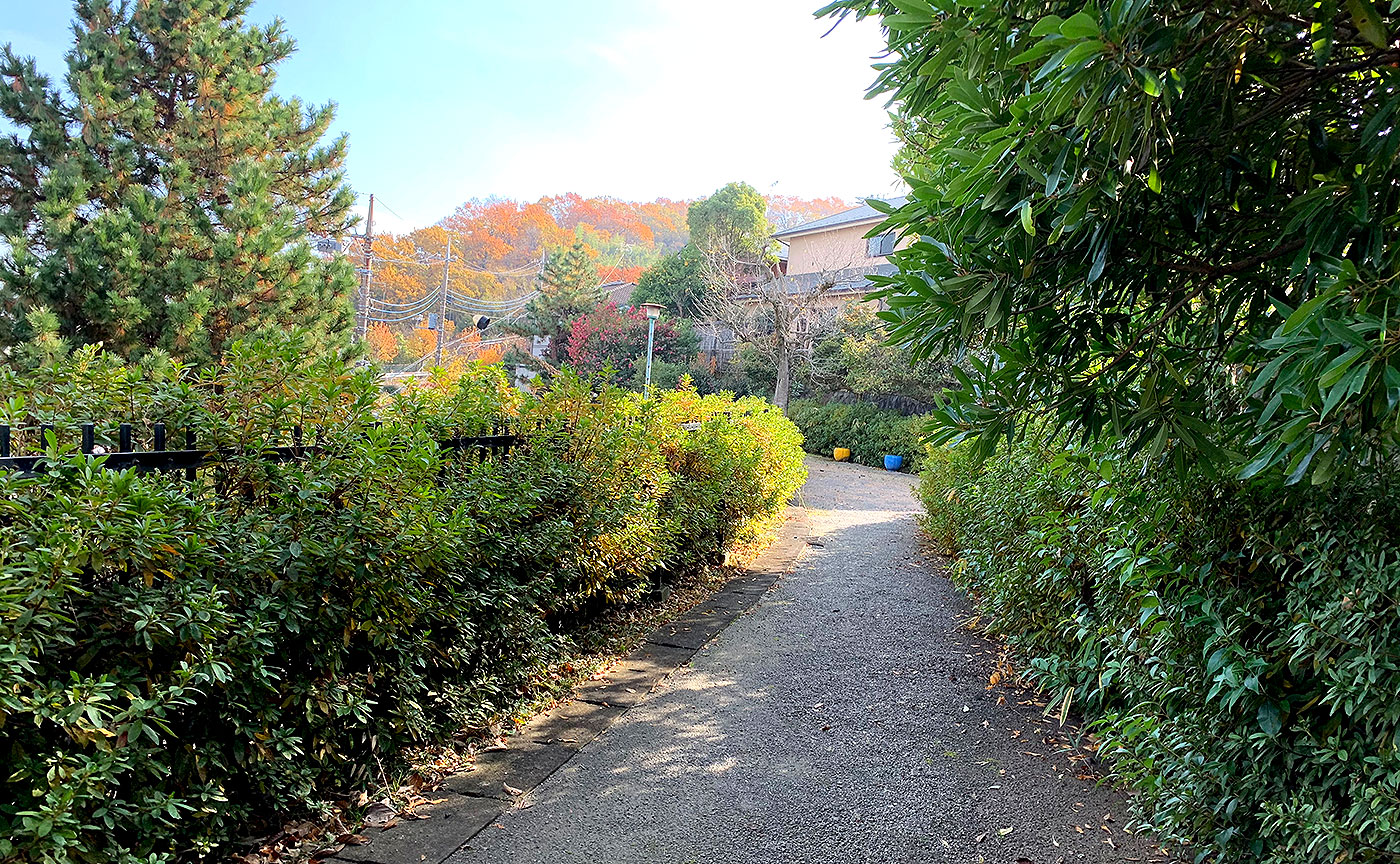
(161, 201)
(569, 287)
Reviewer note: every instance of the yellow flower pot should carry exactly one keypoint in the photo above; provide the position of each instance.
(841, 454)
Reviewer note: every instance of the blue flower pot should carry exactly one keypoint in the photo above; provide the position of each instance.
(894, 463)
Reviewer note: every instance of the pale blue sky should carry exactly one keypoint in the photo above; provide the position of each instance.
(445, 101)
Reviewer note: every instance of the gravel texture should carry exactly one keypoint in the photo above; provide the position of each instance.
(845, 718)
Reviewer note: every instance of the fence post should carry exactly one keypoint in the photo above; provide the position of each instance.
(159, 434)
(4, 440)
(124, 438)
(189, 445)
(44, 430)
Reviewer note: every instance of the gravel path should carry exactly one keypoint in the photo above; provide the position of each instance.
(846, 718)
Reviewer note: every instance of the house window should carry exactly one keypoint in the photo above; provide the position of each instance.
(801, 325)
(881, 246)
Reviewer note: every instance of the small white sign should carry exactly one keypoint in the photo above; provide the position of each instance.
(692, 426)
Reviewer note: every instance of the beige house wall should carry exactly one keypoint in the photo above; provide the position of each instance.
(837, 249)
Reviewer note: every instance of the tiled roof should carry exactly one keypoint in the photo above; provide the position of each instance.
(863, 213)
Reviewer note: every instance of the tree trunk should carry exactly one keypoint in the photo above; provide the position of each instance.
(781, 342)
(780, 390)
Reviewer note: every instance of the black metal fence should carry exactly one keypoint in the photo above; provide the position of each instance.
(161, 458)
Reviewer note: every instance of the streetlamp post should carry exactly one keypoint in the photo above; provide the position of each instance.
(653, 311)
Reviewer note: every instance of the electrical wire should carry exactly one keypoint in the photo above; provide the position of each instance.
(408, 303)
(375, 320)
(415, 302)
(380, 202)
(418, 364)
(480, 303)
(429, 260)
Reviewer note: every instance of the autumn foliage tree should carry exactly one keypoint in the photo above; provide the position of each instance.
(499, 247)
(160, 200)
(383, 344)
(498, 244)
(789, 211)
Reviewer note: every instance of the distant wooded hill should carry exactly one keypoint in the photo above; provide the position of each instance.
(498, 243)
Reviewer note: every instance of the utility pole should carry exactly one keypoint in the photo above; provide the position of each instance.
(442, 305)
(362, 307)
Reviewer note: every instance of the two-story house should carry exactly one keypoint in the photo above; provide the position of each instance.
(825, 266)
(835, 251)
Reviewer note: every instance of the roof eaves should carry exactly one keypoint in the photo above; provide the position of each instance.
(862, 215)
(812, 228)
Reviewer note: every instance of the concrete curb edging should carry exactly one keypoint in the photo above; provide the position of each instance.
(470, 802)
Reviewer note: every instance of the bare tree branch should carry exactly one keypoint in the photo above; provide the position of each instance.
(750, 300)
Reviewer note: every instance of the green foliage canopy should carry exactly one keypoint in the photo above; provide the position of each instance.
(1171, 224)
(1232, 642)
(732, 222)
(856, 355)
(867, 431)
(676, 282)
(162, 198)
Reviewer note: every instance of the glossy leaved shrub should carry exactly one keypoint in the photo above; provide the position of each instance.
(179, 658)
(869, 432)
(1236, 643)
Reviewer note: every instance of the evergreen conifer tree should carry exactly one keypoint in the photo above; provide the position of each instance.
(161, 200)
(569, 287)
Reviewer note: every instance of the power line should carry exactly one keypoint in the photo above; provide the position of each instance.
(482, 303)
(414, 317)
(418, 364)
(421, 306)
(390, 209)
(414, 301)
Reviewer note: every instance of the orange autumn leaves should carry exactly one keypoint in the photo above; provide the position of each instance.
(386, 345)
(383, 344)
(497, 245)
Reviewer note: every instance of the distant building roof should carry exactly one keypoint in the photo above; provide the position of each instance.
(618, 292)
(854, 216)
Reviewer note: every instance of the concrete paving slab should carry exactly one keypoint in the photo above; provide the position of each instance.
(691, 630)
(523, 766)
(656, 659)
(426, 841)
(571, 725)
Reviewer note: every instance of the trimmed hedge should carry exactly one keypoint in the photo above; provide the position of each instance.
(869, 432)
(178, 657)
(1234, 642)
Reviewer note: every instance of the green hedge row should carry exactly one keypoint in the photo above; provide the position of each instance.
(1237, 644)
(867, 431)
(178, 657)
